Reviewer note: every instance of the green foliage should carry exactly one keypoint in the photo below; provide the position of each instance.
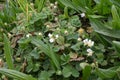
(116, 18)
(47, 49)
(8, 52)
(83, 6)
(105, 73)
(15, 74)
(39, 4)
(68, 71)
(86, 72)
(60, 40)
(99, 27)
(117, 46)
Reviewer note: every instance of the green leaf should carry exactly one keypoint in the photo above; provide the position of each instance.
(66, 12)
(76, 47)
(86, 72)
(95, 16)
(40, 4)
(116, 2)
(83, 65)
(103, 7)
(8, 52)
(117, 46)
(72, 36)
(105, 73)
(75, 73)
(48, 50)
(45, 75)
(116, 18)
(35, 53)
(15, 74)
(100, 28)
(75, 22)
(60, 40)
(77, 4)
(67, 71)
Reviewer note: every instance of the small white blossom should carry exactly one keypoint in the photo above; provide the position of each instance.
(28, 35)
(32, 4)
(40, 33)
(9, 35)
(56, 36)
(48, 26)
(56, 3)
(90, 52)
(90, 43)
(79, 39)
(85, 41)
(51, 40)
(66, 32)
(56, 19)
(82, 15)
(51, 4)
(50, 35)
(55, 7)
(5, 24)
(58, 29)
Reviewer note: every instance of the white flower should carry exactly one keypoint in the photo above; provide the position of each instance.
(58, 29)
(48, 26)
(0, 60)
(56, 3)
(82, 15)
(40, 33)
(90, 52)
(28, 35)
(66, 32)
(5, 24)
(51, 4)
(32, 4)
(51, 40)
(9, 35)
(85, 41)
(56, 19)
(56, 36)
(79, 39)
(55, 7)
(90, 43)
(50, 35)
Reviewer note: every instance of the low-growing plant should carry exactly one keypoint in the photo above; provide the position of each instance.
(60, 40)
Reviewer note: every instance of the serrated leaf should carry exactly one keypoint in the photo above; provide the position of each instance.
(67, 71)
(75, 22)
(60, 40)
(75, 73)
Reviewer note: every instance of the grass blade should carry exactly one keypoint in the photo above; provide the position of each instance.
(47, 49)
(15, 74)
(116, 18)
(8, 52)
(100, 28)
